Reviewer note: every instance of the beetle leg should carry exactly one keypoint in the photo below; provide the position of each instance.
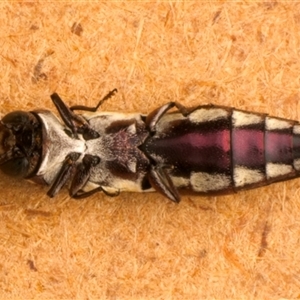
(82, 176)
(76, 123)
(94, 109)
(161, 181)
(70, 119)
(153, 118)
(83, 172)
(64, 174)
(81, 194)
(110, 194)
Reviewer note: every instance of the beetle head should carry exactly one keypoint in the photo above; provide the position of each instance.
(20, 143)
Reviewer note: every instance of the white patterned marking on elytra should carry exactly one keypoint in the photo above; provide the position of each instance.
(276, 170)
(243, 176)
(208, 114)
(275, 124)
(240, 118)
(297, 164)
(205, 182)
(180, 182)
(296, 129)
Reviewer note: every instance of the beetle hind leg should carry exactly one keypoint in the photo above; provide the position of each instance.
(161, 181)
(153, 118)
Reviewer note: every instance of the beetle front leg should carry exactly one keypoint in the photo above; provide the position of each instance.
(64, 174)
(77, 124)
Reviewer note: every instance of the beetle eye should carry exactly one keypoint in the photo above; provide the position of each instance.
(16, 119)
(16, 167)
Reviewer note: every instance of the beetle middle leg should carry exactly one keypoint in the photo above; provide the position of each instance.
(83, 172)
(82, 176)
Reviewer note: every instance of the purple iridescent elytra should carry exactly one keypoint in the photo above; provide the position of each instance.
(205, 150)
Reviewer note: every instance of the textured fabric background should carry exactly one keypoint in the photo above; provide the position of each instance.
(142, 246)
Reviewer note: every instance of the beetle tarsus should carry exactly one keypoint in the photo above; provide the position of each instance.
(81, 194)
(111, 194)
(94, 109)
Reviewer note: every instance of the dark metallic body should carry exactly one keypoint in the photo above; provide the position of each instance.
(206, 150)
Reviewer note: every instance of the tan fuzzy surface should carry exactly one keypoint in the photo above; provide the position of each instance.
(142, 246)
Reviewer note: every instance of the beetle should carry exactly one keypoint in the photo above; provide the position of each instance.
(206, 150)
